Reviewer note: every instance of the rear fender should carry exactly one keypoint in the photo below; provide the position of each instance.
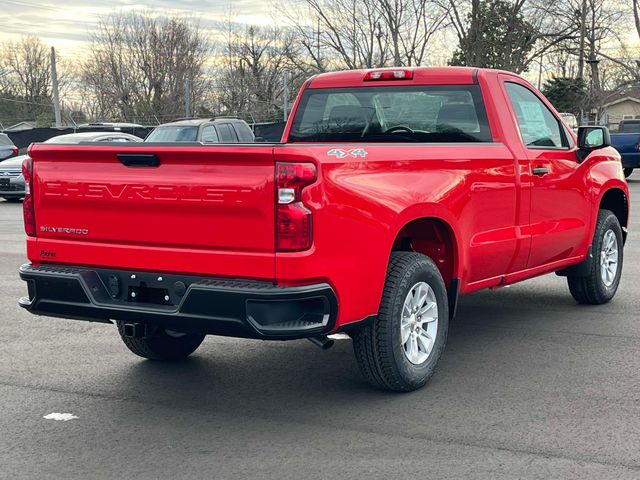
(437, 212)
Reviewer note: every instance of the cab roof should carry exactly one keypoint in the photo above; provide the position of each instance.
(421, 76)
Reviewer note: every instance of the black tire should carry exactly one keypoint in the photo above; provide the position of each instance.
(161, 346)
(628, 172)
(591, 289)
(378, 347)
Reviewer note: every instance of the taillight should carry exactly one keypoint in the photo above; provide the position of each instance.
(27, 205)
(294, 221)
(399, 74)
(15, 150)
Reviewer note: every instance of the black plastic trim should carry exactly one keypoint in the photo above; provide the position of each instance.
(474, 75)
(139, 159)
(348, 327)
(238, 308)
(453, 294)
(582, 269)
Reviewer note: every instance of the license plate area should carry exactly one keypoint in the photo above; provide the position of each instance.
(144, 294)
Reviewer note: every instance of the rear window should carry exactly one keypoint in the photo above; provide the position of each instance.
(629, 126)
(426, 114)
(173, 134)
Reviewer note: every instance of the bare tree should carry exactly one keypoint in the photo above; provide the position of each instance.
(142, 65)
(253, 66)
(411, 24)
(26, 81)
(344, 33)
(28, 62)
(365, 33)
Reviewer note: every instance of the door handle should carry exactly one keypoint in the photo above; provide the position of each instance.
(139, 159)
(540, 171)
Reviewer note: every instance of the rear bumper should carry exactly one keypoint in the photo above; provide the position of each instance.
(235, 308)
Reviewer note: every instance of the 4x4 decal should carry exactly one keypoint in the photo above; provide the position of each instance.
(352, 153)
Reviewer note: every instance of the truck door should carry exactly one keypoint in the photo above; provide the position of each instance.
(560, 207)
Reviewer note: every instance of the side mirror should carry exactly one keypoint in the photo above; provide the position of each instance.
(591, 138)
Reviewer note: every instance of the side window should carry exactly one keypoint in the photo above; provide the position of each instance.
(243, 132)
(209, 134)
(538, 126)
(227, 134)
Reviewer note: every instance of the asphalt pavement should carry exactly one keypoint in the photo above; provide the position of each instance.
(531, 386)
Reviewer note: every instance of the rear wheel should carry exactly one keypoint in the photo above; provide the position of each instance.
(162, 344)
(628, 172)
(401, 349)
(601, 283)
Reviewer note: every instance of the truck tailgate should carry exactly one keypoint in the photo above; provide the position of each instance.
(202, 209)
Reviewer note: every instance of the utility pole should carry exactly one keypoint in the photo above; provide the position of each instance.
(540, 70)
(285, 95)
(583, 34)
(187, 98)
(54, 87)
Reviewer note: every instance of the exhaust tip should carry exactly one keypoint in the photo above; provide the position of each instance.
(322, 341)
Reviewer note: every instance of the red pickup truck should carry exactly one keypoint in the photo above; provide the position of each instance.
(392, 192)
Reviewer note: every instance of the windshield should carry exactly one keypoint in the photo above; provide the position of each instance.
(427, 114)
(173, 134)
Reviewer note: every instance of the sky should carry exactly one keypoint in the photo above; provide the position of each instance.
(66, 24)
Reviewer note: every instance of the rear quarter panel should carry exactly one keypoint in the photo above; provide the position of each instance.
(360, 205)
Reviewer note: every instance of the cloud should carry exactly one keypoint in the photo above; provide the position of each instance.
(67, 25)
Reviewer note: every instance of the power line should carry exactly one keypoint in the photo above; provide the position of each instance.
(26, 102)
(24, 3)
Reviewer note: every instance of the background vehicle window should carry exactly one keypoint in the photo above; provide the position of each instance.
(173, 134)
(227, 134)
(209, 134)
(538, 126)
(244, 132)
(451, 113)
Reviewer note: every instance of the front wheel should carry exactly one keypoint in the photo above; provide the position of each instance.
(400, 350)
(161, 344)
(601, 283)
(628, 172)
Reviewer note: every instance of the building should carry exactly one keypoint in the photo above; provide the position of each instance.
(619, 105)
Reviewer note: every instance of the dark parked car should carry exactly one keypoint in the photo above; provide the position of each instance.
(7, 148)
(11, 179)
(204, 130)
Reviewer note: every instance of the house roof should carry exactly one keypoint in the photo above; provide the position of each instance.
(18, 127)
(617, 96)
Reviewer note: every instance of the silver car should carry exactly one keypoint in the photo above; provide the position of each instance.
(11, 180)
(7, 148)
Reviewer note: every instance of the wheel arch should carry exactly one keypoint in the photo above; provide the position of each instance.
(616, 200)
(435, 236)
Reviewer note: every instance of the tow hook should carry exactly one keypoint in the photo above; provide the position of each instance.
(322, 341)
